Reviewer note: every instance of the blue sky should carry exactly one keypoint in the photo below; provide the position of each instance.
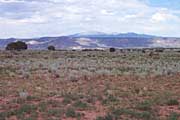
(36, 18)
(173, 4)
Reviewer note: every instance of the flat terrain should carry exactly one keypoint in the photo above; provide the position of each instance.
(89, 85)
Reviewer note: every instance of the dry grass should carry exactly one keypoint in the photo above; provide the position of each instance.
(91, 85)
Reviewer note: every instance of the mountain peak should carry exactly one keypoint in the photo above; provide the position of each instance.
(88, 33)
(119, 35)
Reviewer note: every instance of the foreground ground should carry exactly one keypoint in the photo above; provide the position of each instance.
(89, 85)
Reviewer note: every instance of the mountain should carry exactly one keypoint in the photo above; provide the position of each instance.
(97, 40)
(89, 34)
(116, 35)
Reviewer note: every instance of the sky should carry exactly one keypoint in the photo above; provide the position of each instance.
(39, 18)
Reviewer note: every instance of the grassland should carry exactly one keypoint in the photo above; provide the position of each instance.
(89, 85)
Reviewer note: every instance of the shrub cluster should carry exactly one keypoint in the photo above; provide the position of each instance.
(19, 45)
(112, 49)
(51, 48)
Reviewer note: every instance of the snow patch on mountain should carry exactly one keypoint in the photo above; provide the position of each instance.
(33, 42)
(76, 47)
(165, 43)
(90, 33)
(85, 41)
(89, 42)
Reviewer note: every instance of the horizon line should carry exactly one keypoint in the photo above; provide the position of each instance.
(68, 35)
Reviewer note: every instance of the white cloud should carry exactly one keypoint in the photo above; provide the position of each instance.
(163, 15)
(106, 12)
(56, 17)
(10, 1)
(32, 20)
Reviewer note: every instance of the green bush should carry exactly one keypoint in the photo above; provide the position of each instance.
(27, 108)
(173, 116)
(55, 112)
(112, 49)
(172, 102)
(66, 100)
(146, 105)
(70, 112)
(107, 117)
(51, 48)
(80, 104)
(19, 45)
(140, 115)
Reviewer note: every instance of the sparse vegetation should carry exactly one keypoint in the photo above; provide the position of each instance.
(98, 85)
(146, 105)
(174, 116)
(80, 105)
(172, 102)
(55, 112)
(107, 117)
(70, 112)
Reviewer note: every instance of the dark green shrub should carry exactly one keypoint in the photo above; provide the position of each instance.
(42, 106)
(70, 112)
(159, 50)
(146, 105)
(100, 118)
(80, 104)
(109, 99)
(107, 117)
(140, 115)
(51, 48)
(66, 100)
(172, 102)
(19, 45)
(112, 49)
(145, 115)
(173, 116)
(26, 108)
(55, 112)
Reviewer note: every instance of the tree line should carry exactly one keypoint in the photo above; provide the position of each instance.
(20, 45)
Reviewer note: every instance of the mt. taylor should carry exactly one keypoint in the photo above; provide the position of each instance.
(97, 40)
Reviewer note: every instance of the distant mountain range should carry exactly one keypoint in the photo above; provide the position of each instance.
(116, 35)
(97, 40)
